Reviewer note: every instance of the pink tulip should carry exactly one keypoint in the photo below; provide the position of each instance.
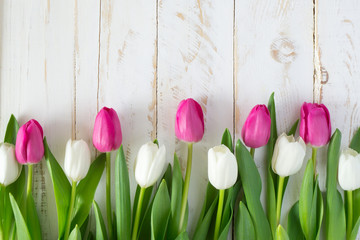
(315, 126)
(256, 130)
(29, 146)
(189, 124)
(107, 134)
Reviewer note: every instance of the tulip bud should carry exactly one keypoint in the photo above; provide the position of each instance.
(77, 159)
(29, 147)
(222, 167)
(349, 169)
(315, 126)
(288, 155)
(189, 124)
(149, 164)
(107, 134)
(256, 130)
(9, 168)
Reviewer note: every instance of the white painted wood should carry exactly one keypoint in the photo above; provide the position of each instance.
(337, 85)
(195, 60)
(128, 76)
(273, 53)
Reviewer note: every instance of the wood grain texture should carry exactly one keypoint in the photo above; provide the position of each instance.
(195, 60)
(271, 55)
(127, 76)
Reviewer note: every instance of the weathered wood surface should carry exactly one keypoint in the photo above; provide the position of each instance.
(61, 61)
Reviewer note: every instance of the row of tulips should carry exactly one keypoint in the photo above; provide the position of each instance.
(160, 211)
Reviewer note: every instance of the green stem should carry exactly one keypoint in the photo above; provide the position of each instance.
(219, 213)
(29, 179)
(70, 212)
(252, 152)
(279, 199)
(138, 212)
(2, 196)
(186, 187)
(349, 214)
(108, 193)
(313, 157)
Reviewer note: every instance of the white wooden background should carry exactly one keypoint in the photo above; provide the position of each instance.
(61, 61)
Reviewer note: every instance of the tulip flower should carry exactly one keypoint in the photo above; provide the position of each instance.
(9, 168)
(76, 165)
(288, 155)
(287, 160)
(349, 169)
(107, 134)
(149, 165)
(223, 173)
(315, 126)
(222, 167)
(189, 127)
(349, 180)
(189, 124)
(29, 146)
(256, 130)
(77, 159)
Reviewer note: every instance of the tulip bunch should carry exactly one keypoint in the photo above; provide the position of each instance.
(160, 208)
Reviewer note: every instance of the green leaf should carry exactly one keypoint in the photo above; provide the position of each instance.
(293, 128)
(11, 130)
(207, 213)
(21, 228)
(145, 226)
(227, 140)
(271, 177)
(84, 226)
(335, 226)
(62, 188)
(306, 199)
(251, 182)
(355, 144)
(168, 177)
(244, 228)
(355, 230)
(281, 233)
(319, 210)
(176, 196)
(160, 212)
(182, 236)
(33, 222)
(100, 225)
(122, 194)
(85, 191)
(145, 204)
(294, 226)
(75, 234)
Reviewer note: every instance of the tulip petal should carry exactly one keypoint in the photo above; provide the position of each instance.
(349, 168)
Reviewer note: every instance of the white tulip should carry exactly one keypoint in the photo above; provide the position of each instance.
(77, 159)
(149, 164)
(9, 167)
(288, 155)
(349, 169)
(222, 167)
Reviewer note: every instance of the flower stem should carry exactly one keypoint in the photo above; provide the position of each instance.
(108, 193)
(349, 213)
(186, 187)
(29, 180)
(313, 157)
(279, 199)
(252, 152)
(70, 212)
(2, 197)
(219, 213)
(138, 212)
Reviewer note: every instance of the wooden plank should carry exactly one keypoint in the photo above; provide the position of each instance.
(127, 77)
(43, 57)
(272, 55)
(195, 60)
(337, 64)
